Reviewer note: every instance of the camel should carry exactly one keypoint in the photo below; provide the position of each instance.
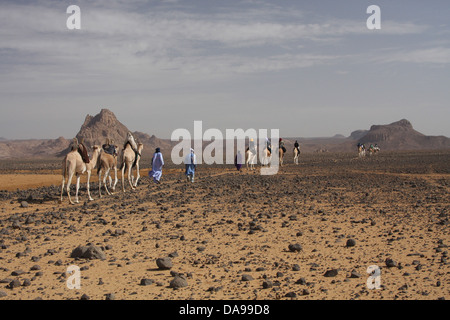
(250, 158)
(73, 164)
(107, 162)
(129, 160)
(296, 155)
(266, 157)
(361, 151)
(281, 155)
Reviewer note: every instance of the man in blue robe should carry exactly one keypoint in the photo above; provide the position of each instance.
(157, 165)
(191, 164)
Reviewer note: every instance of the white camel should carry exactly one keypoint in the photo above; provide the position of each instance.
(266, 157)
(296, 155)
(131, 159)
(73, 164)
(250, 158)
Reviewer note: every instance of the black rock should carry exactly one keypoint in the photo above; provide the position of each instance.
(291, 295)
(110, 296)
(14, 284)
(331, 273)
(391, 263)
(246, 277)
(178, 282)
(164, 263)
(267, 284)
(295, 247)
(355, 274)
(351, 243)
(88, 252)
(146, 282)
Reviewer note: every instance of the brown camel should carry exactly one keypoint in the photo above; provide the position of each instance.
(107, 162)
(74, 164)
(281, 155)
(131, 159)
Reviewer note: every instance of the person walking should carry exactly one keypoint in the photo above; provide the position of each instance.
(157, 165)
(190, 162)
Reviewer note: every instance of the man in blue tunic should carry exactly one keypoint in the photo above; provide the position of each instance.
(191, 164)
(157, 165)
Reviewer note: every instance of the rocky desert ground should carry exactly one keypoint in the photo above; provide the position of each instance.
(308, 233)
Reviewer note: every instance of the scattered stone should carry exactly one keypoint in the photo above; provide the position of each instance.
(390, 263)
(110, 296)
(355, 274)
(178, 282)
(267, 284)
(295, 247)
(351, 243)
(14, 284)
(246, 277)
(164, 263)
(146, 282)
(88, 252)
(331, 273)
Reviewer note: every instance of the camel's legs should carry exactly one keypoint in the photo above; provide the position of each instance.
(78, 187)
(129, 177)
(69, 181)
(100, 183)
(115, 179)
(123, 180)
(137, 175)
(87, 184)
(62, 187)
(104, 180)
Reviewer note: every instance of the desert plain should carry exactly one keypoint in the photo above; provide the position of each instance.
(309, 232)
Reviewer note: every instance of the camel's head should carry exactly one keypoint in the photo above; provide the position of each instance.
(96, 148)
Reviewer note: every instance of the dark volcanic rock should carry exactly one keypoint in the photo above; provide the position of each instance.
(88, 252)
(178, 282)
(164, 263)
(390, 263)
(295, 247)
(351, 243)
(331, 273)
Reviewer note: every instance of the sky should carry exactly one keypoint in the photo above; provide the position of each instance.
(307, 68)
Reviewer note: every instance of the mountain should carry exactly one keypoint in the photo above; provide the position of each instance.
(105, 125)
(96, 129)
(43, 148)
(401, 135)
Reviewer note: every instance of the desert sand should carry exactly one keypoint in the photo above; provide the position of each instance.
(236, 235)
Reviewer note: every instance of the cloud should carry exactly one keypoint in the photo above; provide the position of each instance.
(437, 55)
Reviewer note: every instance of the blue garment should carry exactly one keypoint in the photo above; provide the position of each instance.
(191, 163)
(157, 165)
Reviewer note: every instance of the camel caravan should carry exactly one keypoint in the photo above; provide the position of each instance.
(362, 152)
(105, 159)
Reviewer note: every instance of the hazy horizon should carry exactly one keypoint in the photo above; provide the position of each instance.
(310, 70)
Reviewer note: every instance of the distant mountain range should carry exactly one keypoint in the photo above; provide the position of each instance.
(96, 129)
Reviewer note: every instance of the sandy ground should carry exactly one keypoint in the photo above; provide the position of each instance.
(229, 233)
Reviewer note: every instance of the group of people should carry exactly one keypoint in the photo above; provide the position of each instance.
(190, 162)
